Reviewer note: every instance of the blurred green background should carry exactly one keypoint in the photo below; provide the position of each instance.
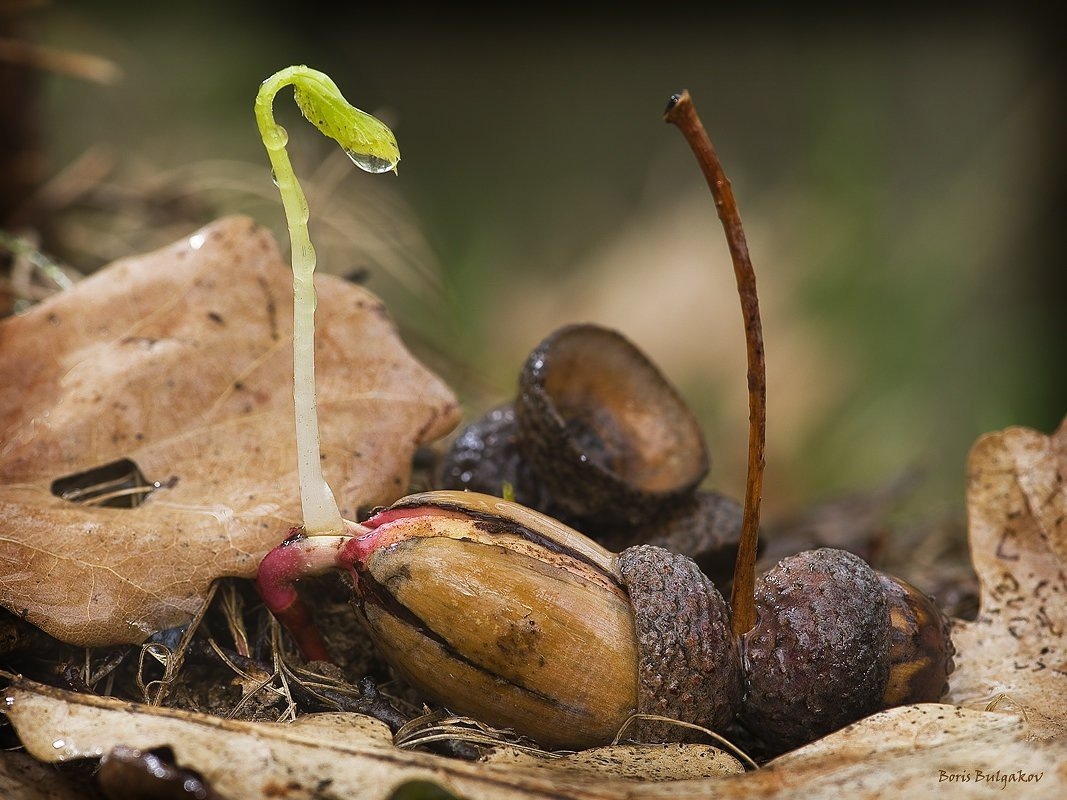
(900, 180)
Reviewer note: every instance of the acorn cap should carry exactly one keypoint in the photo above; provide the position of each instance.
(706, 528)
(607, 434)
(688, 666)
(818, 656)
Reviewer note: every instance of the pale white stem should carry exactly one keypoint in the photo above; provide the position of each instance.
(320, 511)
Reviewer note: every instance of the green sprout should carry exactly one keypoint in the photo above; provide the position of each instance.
(372, 147)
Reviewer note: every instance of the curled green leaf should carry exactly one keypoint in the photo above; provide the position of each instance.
(367, 140)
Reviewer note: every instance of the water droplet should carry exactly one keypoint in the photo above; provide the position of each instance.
(369, 163)
(196, 241)
(273, 177)
(59, 744)
(277, 138)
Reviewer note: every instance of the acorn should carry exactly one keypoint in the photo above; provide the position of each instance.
(835, 641)
(505, 614)
(499, 612)
(921, 652)
(593, 439)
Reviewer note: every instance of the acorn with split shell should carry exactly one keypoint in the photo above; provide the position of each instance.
(490, 608)
(499, 612)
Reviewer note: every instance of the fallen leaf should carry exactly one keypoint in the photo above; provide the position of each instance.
(922, 751)
(905, 751)
(639, 762)
(348, 753)
(180, 361)
(1014, 655)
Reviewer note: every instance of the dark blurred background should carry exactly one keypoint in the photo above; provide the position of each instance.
(901, 180)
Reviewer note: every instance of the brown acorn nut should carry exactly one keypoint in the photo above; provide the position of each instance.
(504, 614)
(920, 645)
(611, 439)
(835, 641)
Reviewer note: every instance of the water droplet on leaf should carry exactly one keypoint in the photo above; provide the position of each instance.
(369, 163)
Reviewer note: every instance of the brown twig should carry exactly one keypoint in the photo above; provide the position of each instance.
(680, 112)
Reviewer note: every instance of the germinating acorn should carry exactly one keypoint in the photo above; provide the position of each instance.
(488, 607)
(504, 614)
(835, 641)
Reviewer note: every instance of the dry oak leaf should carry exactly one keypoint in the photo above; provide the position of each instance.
(181, 361)
(638, 762)
(1014, 655)
(319, 755)
(908, 751)
(925, 750)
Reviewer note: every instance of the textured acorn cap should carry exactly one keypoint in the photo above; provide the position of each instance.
(607, 434)
(920, 646)
(688, 666)
(818, 656)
